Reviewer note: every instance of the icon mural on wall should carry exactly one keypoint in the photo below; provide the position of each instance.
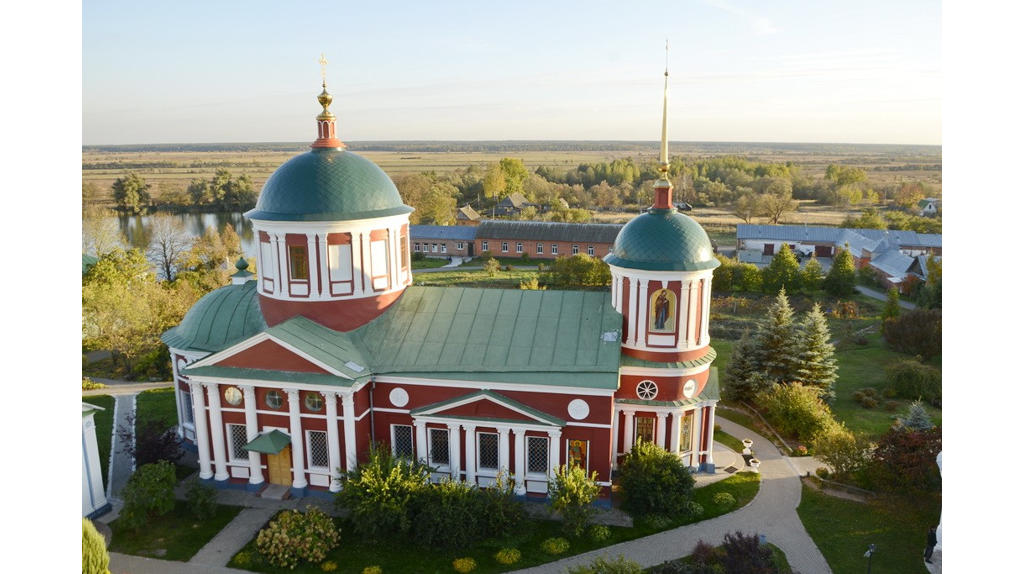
(578, 453)
(663, 311)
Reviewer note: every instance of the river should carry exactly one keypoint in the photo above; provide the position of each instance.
(136, 228)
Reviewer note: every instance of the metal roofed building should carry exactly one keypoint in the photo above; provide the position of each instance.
(287, 377)
(865, 244)
(443, 240)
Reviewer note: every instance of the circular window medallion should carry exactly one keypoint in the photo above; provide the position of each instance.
(273, 399)
(399, 397)
(689, 388)
(233, 396)
(579, 409)
(647, 390)
(314, 402)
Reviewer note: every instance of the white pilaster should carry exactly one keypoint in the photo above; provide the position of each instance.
(615, 436)
(677, 425)
(454, 451)
(711, 436)
(642, 322)
(298, 442)
(366, 286)
(556, 450)
(202, 430)
(615, 284)
(252, 430)
(349, 413)
(470, 453)
(692, 333)
(659, 437)
(503, 463)
(634, 286)
(695, 449)
(627, 432)
(312, 258)
(325, 267)
(220, 455)
(280, 263)
(705, 334)
(520, 438)
(421, 441)
(333, 440)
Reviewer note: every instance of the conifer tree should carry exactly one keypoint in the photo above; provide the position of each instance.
(892, 307)
(783, 271)
(778, 342)
(916, 420)
(810, 277)
(841, 279)
(743, 379)
(818, 366)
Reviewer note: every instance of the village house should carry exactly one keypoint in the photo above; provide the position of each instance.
(545, 239)
(443, 240)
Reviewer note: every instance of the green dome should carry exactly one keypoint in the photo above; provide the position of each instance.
(662, 240)
(218, 320)
(328, 184)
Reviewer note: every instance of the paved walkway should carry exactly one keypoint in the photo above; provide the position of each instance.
(883, 297)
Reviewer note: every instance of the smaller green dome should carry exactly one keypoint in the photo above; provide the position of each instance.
(218, 320)
(328, 184)
(663, 240)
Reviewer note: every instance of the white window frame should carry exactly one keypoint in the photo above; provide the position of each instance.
(430, 452)
(575, 249)
(636, 428)
(554, 249)
(540, 249)
(186, 407)
(504, 246)
(487, 470)
(416, 247)
(460, 246)
(309, 450)
(590, 250)
(412, 441)
(532, 473)
(433, 248)
(519, 246)
(444, 248)
(483, 245)
(231, 443)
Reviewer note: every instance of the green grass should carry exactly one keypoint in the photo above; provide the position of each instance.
(176, 535)
(728, 440)
(778, 556)
(429, 263)
(515, 261)
(157, 404)
(398, 555)
(843, 529)
(476, 278)
(104, 428)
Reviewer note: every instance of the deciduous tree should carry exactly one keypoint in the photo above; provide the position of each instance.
(131, 193)
(168, 242)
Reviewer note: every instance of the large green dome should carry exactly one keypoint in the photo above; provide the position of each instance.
(218, 320)
(662, 240)
(328, 184)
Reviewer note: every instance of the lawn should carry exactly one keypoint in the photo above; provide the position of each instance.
(177, 535)
(843, 529)
(476, 278)
(396, 555)
(104, 428)
(157, 404)
(428, 263)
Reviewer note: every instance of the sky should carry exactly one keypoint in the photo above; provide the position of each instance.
(866, 71)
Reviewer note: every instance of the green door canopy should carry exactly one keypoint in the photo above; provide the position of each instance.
(271, 443)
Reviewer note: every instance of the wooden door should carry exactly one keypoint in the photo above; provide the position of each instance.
(279, 466)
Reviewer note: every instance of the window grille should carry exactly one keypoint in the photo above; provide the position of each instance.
(401, 441)
(684, 432)
(488, 451)
(645, 429)
(187, 405)
(537, 457)
(439, 451)
(239, 439)
(318, 457)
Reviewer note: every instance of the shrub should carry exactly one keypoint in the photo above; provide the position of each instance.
(657, 521)
(917, 332)
(704, 553)
(149, 493)
(741, 553)
(373, 570)
(869, 403)
(464, 565)
(605, 565)
(801, 450)
(95, 559)
(149, 442)
(201, 499)
(904, 461)
(449, 515)
(554, 546)
(889, 392)
(858, 396)
(486, 256)
(295, 537)
(654, 481)
(724, 499)
(244, 559)
(572, 493)
(843, 452)
(380, 493)
(508, 268)
(892, 405)
(502, 512)
(796, 410)
(599, 533)
(508, 556)
(693, 510)
(917, 419)
(909, 379)
(329, 566)
(90, 385)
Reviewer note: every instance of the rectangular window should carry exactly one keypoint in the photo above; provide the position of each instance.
(439, 450)
(487, 448)
(578, 452)
(317, 441)
(416, 247)
(519, 247)
(238, 438)
(554, 249)
(684, 432)
(380, 264)
(340, 260)
(575, 249)
(483, 246)
(404, 242)
(504, 246)
(590, 250)
(540, 249)
(401, 441)
(444, 248)
(537, 457)
(645, 429)
(433, 247)
(298, 263)
(266, 263)
(460, 246)
(186, 405)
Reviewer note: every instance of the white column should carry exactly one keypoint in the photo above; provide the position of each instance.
(325, 269)
(252, 430)
(711, 437)
(705, 334)
(298, 442)
(454, 451)
(659, 437)
(349, 412)
(312, 259)
(220, 455)
(641, 321)
(364, 260)
(627, 432)
(421, 441)
(615, 436)
(692, 333)
(677, 424)
(695, 449)
(470, 453)
(615, 284)
(503, 463)
(280, 263)
(556, 450)
(333, 440)
(202, 432)
(520, 438)
(633, 287)
(177, 397)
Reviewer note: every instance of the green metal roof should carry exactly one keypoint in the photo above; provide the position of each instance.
(663, 240)
(340, 351)
(497, 398)
(628, 361)
(328, 184)
(244, 374)
(87, 262)
(271, 443)
(710, 393)
(218, 320)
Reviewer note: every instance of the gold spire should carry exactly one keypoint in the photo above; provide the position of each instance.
(664, 122)
(324, 98)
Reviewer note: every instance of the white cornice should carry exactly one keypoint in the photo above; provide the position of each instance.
(330, 226)
(660, 275)
(480, 386)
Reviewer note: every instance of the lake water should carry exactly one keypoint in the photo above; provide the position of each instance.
(136, 228)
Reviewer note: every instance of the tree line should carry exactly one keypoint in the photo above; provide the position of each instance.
(222, 192)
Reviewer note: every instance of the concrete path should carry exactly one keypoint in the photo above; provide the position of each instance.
(122, 465)
(234, 536)
(883, 297)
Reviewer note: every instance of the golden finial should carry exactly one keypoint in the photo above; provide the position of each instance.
(323, 69)
(324, 98)
(664, 120)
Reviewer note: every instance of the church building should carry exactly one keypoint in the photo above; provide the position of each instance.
(288, 376)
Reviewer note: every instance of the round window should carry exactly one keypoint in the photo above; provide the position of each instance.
(273, 399)
(647, 390)
(314, 402)
(233, 396)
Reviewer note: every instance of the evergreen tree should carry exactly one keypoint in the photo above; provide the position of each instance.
(810, 277)
(916, 420)
(892, 307)
(783, 271)
(841, 279)
(131, 193)
(743, 379)
(818, 366)
(778, 342)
